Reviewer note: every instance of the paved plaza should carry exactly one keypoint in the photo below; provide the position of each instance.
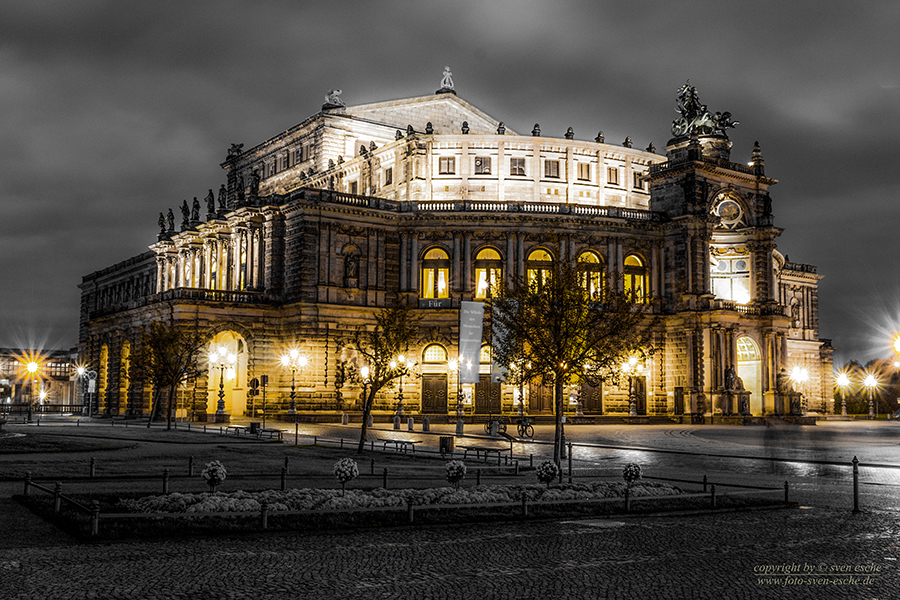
(819, 550)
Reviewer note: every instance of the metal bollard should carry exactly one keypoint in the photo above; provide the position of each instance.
(524, 506)
(287, 463)
(712, 496)
(704, 484)
(204, 429)
(165, 481)
(856, 485)
(516, 472)
(785, 492)
(384, 483)
(57, 496)
(570, 462)
(627, 500)
(283, 478)
(409, 512)
(95, 517)
(410, 423)
(264, 515)
(93, 466)
(296, 432)
(191, 466)
(27, 482)
(372, 446)
(342, 443)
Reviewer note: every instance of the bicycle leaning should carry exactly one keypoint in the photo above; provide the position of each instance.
(500, 420)
(524, 427)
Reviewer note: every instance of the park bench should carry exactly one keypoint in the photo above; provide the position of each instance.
(401, 445)
(236, 429)
(485, 450)
(270, 433)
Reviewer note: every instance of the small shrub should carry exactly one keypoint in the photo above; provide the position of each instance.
(214, 474)
(456, 472)
(547, 471)
(345, 470)
(631, 473)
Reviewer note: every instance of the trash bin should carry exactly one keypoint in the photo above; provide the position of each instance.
(448, 444)
(254, 428)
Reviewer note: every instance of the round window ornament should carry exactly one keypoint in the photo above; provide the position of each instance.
(729, 211)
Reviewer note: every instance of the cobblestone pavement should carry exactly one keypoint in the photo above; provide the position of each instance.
(815, 553)
(819, 551)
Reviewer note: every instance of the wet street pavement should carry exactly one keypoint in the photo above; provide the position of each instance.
(820, 550)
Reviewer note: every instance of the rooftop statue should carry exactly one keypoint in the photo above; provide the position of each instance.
(210, 206)
(170, 219)
(195, 210)
(235, 150)
(333, 98)
(694, 116)
(185, 215)
(447, 81)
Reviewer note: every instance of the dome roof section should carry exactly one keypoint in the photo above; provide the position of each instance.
(445, 112)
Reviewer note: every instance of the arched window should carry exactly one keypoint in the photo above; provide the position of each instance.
(485, 355)
(435, 274)
(434, 353)
(635, 278)
(488, 271)
(538, 268)
(591, 266)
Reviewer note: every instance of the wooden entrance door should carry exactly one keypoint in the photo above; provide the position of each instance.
(487, 396)
(640, 395)
(540, 398)
(434, 393)
(591, 398)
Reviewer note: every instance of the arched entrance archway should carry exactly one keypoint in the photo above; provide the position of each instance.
(749, 369)
(232, 377)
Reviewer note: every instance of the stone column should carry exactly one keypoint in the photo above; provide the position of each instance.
(403, 261)
(510, 263)
(414, 262)
(455, 271)
(160, 274)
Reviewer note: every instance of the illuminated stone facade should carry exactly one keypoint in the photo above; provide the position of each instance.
(424, 200)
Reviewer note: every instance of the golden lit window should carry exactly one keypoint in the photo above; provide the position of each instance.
(730, 278)
(435, 274)
(591, 266)
(485, 355)
(488, 272)
(635, 274)
(538, 268)
(434, 353)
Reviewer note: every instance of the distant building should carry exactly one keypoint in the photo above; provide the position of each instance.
(426, 201)
(54, 376)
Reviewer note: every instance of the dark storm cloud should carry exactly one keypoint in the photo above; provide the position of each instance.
(112, 112)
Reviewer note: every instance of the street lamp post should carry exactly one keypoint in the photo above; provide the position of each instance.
(293, 360)
(222, 358)
(843, 381)
(630, 368)
(32, 368)
(401, 362)
(871, 383)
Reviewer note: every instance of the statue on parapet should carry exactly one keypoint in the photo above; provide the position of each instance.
(223, 199)
(235, 150)
(170, 218)
(185, 215)
(195, 211)
(333, 99)
(162, 225)
(210, 206)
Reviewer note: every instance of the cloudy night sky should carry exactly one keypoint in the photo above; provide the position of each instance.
(115, 111)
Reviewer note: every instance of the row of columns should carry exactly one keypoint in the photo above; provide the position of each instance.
(235, 262)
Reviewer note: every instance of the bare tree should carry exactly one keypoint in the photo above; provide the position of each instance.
(552, 329)
(169, 355)
(377, 350)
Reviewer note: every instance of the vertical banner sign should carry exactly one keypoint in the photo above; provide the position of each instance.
(471, 326)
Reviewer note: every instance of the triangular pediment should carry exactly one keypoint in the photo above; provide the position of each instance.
(445, 112)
